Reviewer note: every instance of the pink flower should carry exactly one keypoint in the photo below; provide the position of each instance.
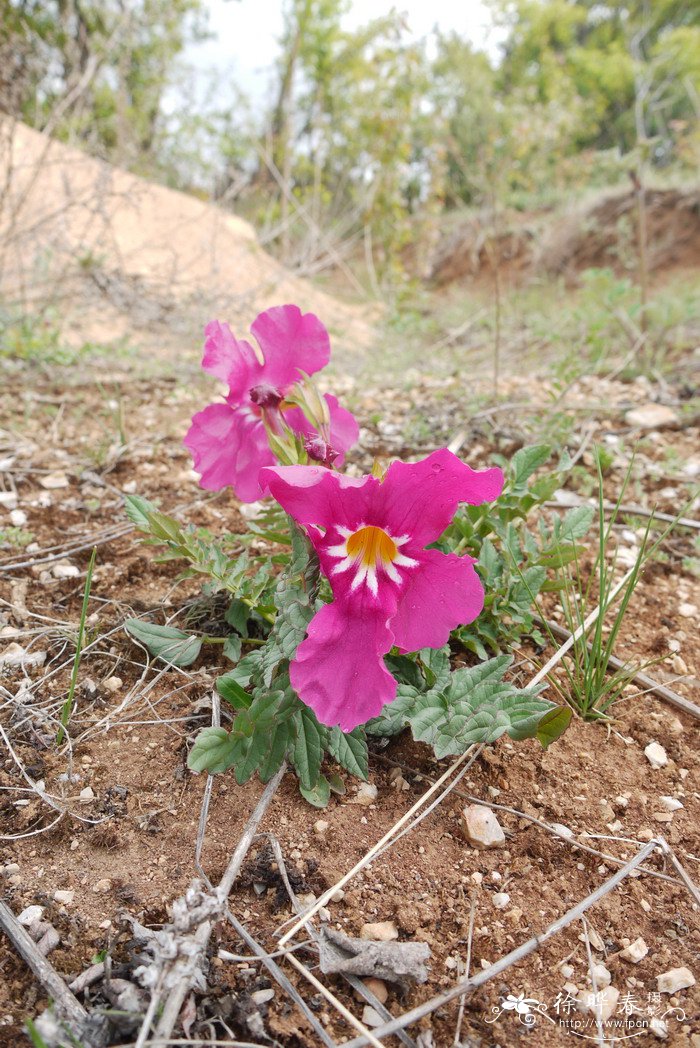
(388, 589)
(228, 441)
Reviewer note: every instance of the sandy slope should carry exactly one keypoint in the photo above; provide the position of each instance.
(117, 256)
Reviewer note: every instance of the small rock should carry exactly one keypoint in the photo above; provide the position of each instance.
(29, 915)
(87, 795)
(366, 794)
(321, 826)
(594, 939)
(675, 979)
(658, 1027)
(601, 1003)
(481, 828)
(53, 481)
(562, 831)
(687, 611)
(500, 900)
(15, 655)
(262, 996)
(656, 755)
(10, 870)
(477, 877)
(635, 952)
(381, 931)
(103, 885)
(566, 970)
(377, 987)
(671, 803)
(64, 896)
(18, 518)
(64, 570)
(678, 665)
(8, 499)
(370, 1017)
(113, 684)
(651, 416)
(601, 975)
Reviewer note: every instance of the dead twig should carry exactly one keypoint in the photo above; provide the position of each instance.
(66, 1004)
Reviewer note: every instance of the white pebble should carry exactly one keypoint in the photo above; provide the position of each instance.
(30, 914)
(687, 611)
(675, 979)
(481, 828)
(656, 755)
(635, 952)
(18, 518)
(501, 900)
(366, 794)
(66, 897)
(671, 803)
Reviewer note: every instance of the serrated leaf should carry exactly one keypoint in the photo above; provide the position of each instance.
(279, 738)
(393, 717)
(525, 461)
(215, 750)
(232, 647)
(319, 794)
(246, 668)
(308, 747)
(137, 510)
(165, 642)
(230, 690)
(553, 724)
(576, 522)
(350, 750)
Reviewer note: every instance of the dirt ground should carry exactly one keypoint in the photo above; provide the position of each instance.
(69, 451)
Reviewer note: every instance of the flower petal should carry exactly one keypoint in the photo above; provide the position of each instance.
(420, 498)
(339, 669)
(231, 360)
(229, 446)
(291, 342)
(344, 430)
(441, 593)
(317, 496)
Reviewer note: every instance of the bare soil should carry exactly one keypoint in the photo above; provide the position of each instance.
(130, 849)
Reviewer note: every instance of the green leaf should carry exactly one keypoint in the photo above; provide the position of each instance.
(350, 750)
(246, 668)
(137, 510)
(308, 747)
(319, 794)
(525, 461)
(214, 750)
(576, 523)
(336, 784)
(232, 647)
(229, 689)
(394, 716)
(165, 642)
(237, 616)
(279, 739)
(553, 724)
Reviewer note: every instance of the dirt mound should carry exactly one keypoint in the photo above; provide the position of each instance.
(119, 257)
(594, 235)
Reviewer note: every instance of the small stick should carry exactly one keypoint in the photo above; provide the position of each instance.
(467, 969)
(65, 1002)
(528, 947)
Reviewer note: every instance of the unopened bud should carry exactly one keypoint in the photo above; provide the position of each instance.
(320, 451)
(266, 396)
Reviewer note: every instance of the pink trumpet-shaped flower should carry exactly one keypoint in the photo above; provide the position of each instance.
(228, 441)
(388, 589)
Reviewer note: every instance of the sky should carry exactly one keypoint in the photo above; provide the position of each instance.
(246, 33)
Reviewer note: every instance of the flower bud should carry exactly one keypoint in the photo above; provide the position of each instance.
(266, 396)
(319, 450)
